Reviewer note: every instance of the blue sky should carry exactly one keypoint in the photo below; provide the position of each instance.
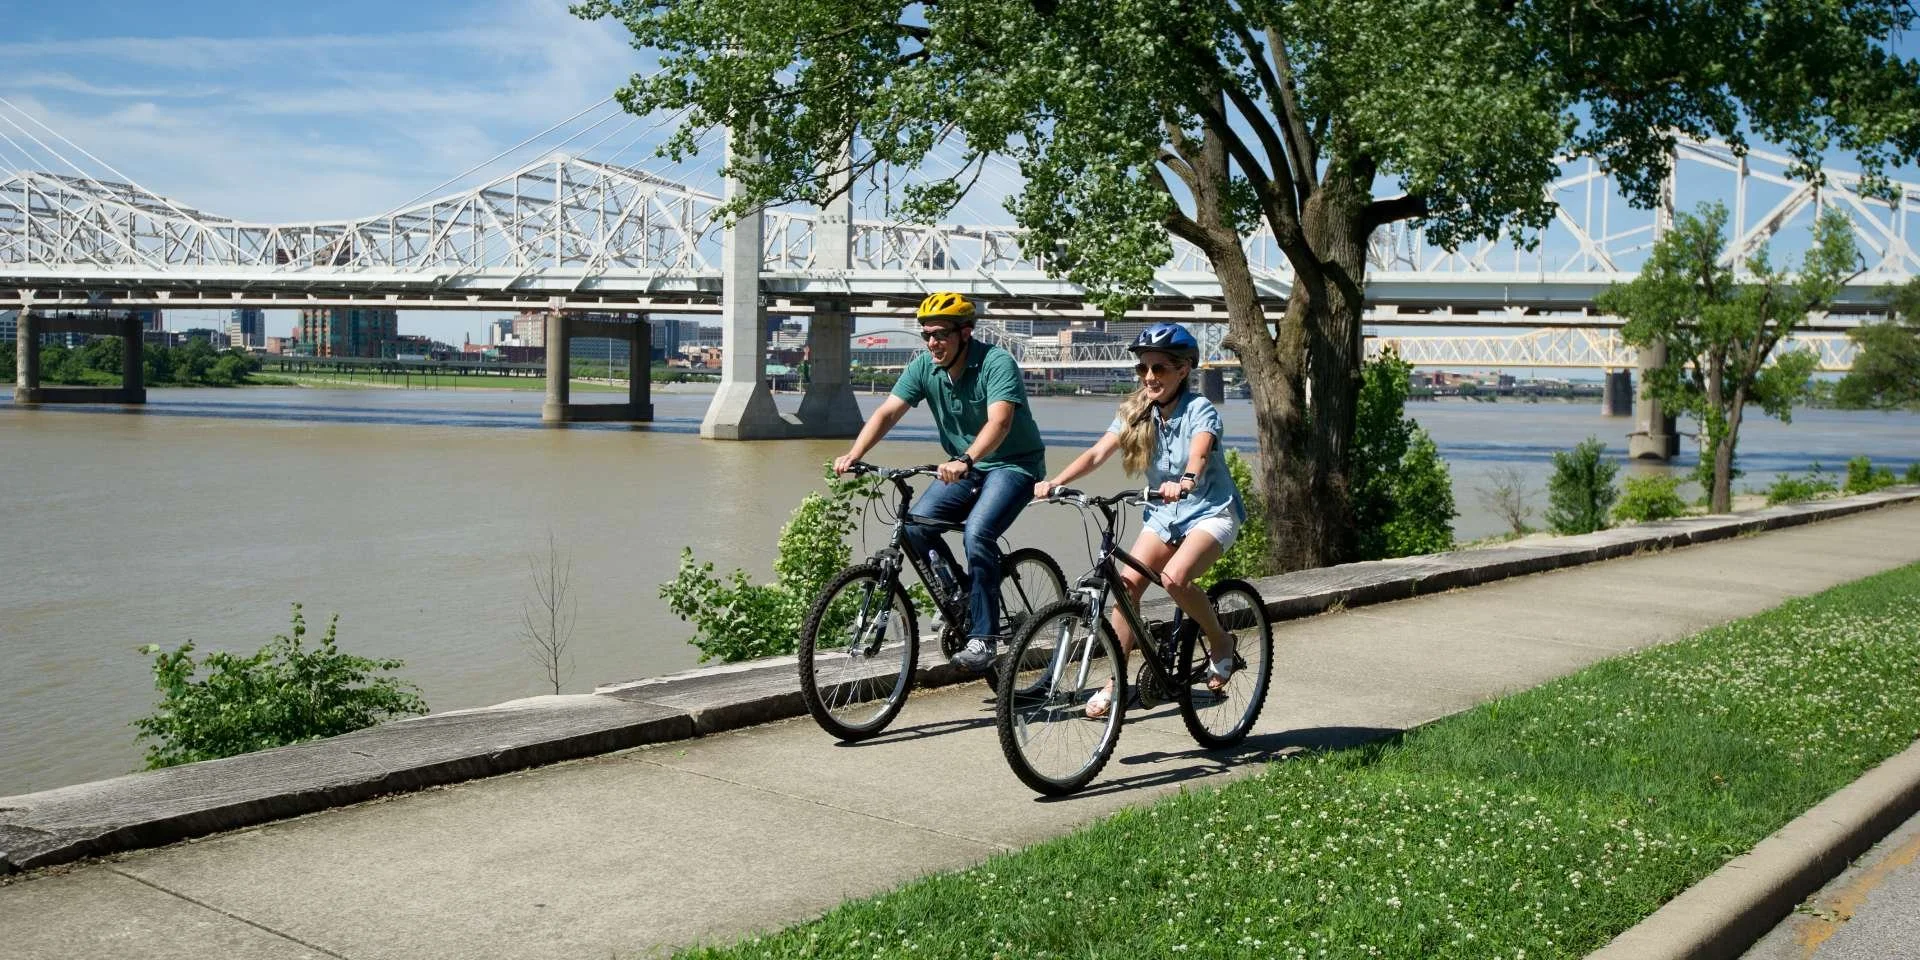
(330, 110)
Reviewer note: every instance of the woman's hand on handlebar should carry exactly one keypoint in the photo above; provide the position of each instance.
(844, 462)
(1170, 491)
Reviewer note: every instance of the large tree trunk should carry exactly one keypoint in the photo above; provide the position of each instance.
(1305, 447)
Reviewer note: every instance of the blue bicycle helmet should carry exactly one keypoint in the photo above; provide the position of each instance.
(1168, 338)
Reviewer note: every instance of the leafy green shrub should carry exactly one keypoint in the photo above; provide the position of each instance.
(1787, 489)
(1402, 493)
(282, 694)
(1863, 478)
(1650, 498)
(1913, 473)
(1581, 491)
(737, 619)
(1247, 557)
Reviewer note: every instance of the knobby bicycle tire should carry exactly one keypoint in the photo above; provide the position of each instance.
(846, 666)
(1224, 718)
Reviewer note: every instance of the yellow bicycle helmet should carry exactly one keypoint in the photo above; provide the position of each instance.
(946, 306)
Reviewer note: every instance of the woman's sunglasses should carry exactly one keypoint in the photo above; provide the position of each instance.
(1159, 369)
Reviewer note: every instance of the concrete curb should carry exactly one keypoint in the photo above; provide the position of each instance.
(1726, 913)
(163, 806)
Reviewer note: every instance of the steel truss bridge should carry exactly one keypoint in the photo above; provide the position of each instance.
(572, 234)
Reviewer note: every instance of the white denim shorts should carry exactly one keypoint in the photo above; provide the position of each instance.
(1220, 526)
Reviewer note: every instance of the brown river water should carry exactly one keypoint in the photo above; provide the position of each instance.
(413, 515)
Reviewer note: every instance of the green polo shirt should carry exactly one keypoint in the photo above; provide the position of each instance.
(959, 410)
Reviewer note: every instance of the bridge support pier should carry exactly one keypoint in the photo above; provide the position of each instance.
(559, 407)
(1654, 436)
(1213, 384)
(828, 409)
(27, 387)
(26, 354)
(1616, 394)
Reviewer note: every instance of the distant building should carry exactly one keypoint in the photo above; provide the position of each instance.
(9, 328)
(348, 331)
(249, 326)
(499, 330)
(214, 338)
(282, 345)
(530, 328)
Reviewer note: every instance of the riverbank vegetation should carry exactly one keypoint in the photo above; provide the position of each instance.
(1719, 336)
(1886, 370)
(225, 704)
(1539, 825)
(98, 362)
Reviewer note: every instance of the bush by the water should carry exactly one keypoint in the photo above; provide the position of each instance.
(1581, 492)
(284, 693)
(1864, 477)
(1650, 498)
(1787, 489)
(1402, 492)
(736, 619)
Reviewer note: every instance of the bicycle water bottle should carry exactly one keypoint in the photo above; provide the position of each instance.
(947, 587)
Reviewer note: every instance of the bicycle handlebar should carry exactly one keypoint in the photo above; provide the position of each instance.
(861, 468)
(1134, 497)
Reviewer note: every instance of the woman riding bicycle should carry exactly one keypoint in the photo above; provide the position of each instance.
(1173, 435)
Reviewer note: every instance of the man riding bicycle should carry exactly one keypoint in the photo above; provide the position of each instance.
(979, 407)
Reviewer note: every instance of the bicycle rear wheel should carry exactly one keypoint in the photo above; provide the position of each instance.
(1224, 717)
(858, 649)
(1060, 659)
(1032, 581)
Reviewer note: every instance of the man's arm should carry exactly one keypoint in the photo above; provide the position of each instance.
(889, 413)
(999, 424)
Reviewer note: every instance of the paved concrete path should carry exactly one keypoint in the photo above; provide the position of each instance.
(635, 853)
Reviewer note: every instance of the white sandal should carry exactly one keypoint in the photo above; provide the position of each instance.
(1220, 672)
(1100, 703)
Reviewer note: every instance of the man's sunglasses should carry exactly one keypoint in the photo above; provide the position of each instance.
(938, 336)
(1159, 369)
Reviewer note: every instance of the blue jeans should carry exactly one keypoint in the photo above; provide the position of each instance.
(987, 501)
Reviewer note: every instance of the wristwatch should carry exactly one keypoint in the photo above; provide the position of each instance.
(1189, 476)
(965, 458)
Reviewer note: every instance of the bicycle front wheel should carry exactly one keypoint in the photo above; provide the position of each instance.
(1062, 657)
(858, 649)
(1220, 718)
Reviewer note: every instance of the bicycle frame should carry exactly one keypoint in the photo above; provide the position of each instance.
(1104, 580)
(888, 558)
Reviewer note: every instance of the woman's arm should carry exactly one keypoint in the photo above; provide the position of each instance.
(1089, 460)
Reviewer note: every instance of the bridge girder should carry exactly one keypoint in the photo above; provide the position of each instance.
(575, 228)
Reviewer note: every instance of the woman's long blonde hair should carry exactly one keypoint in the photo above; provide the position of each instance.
(1138, 433)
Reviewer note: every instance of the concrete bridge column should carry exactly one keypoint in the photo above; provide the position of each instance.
(559, 408)
(828, 409)
(26, 353)
(1213, 384)
(559, 369)
(133, 353)
(1616, 394)
(1654, 436)
(743, 408)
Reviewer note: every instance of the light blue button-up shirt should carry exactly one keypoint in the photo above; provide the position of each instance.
(1213, 492)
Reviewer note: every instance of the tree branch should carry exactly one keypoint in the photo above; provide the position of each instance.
(1405, 206)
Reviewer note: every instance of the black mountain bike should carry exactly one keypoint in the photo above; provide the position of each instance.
(1067, 652)
(860, 643)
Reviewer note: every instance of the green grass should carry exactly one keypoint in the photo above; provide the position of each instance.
(1538, 825)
